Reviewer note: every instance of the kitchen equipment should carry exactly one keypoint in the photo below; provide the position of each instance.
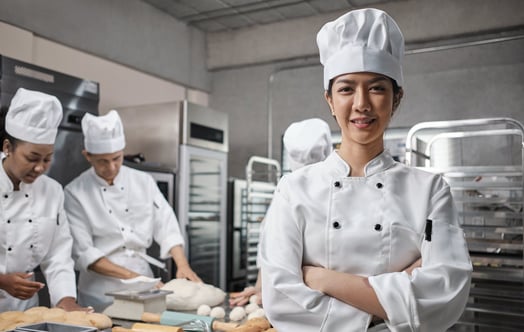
(179, 318)
(483, 162)
(54, 327)
(131, 305)
(249, 201)
(141, 327)
(192, 140)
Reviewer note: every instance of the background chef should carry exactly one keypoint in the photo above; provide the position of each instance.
(116, 212)
(33, 229)
(350, 225)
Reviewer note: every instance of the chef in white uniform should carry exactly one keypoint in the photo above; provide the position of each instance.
(359, 235)
(33, 228)
(116, 213)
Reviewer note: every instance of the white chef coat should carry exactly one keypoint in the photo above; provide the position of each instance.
(118, 222)
(369, 226)
(34, 231)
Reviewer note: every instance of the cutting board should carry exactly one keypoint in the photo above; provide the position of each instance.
(175, 318)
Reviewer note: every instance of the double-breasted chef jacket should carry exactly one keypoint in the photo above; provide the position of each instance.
(370, 226)
(120, 222)
(34, 231)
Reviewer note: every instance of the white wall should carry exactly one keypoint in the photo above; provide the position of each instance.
(119, 85)
(130, 32)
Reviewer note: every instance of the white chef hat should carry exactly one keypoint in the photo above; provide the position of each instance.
(33, 117)
(307, 142)
(103, 134)
(364, 40)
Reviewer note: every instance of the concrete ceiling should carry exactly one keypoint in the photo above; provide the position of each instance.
(222, 15)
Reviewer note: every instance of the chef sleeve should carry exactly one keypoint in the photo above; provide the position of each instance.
(281, 261)
(84, 251)
(433, 298)
(57, 265)
(167, 231)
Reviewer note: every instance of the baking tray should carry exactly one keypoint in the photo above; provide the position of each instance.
(54, 327)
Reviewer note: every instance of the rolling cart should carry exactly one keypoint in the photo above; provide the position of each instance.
(482, 160)
(262, 175)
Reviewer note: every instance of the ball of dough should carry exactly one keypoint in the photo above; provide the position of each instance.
(237, 314)
(204, 310)
(251, 307)
(257, 314)
(253, 299)
(100, 321)
(189, 295)
(218, 312)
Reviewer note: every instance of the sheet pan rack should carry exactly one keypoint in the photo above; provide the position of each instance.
(483, 162)
(262, 175)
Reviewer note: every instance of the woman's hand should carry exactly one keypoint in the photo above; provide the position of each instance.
(69, 304)
(242, 298)
(18, 285)
(314, 277)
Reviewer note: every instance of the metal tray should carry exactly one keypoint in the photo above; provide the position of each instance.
(54, 327)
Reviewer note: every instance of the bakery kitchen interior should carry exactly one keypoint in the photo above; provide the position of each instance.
(191, 105)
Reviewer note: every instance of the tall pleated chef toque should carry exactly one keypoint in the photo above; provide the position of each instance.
(33, 117)
(103, 134)
(364, 40)
(307, 141)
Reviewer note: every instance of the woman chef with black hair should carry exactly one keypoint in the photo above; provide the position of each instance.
(33, 226)
(351, 225)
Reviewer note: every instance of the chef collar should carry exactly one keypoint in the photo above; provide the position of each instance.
(117, 181)
(378, 164)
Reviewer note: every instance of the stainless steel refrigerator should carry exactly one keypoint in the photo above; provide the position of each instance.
(192, 140)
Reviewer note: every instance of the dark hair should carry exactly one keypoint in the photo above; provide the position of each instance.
(11, 139)
(396, 87)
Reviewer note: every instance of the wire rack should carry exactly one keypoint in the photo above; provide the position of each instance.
(262, 175)
(482, 160)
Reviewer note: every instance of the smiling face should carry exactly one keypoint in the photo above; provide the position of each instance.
(363, 104)
(25, 161)
(106, 165)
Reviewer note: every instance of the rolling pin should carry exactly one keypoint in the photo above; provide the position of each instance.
(178, 318)
(141, 327)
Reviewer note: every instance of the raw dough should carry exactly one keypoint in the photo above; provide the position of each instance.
(259, 313)
(204, 310)
(251, 307)
(218, 312)
(189, 295)
(253, 299)
(237, 314)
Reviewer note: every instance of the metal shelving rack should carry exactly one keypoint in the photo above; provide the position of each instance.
(483, 161)
(262, 175)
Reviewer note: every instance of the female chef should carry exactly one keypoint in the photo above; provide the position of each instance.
(116, 212)
(350, 225)
(34, 230)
